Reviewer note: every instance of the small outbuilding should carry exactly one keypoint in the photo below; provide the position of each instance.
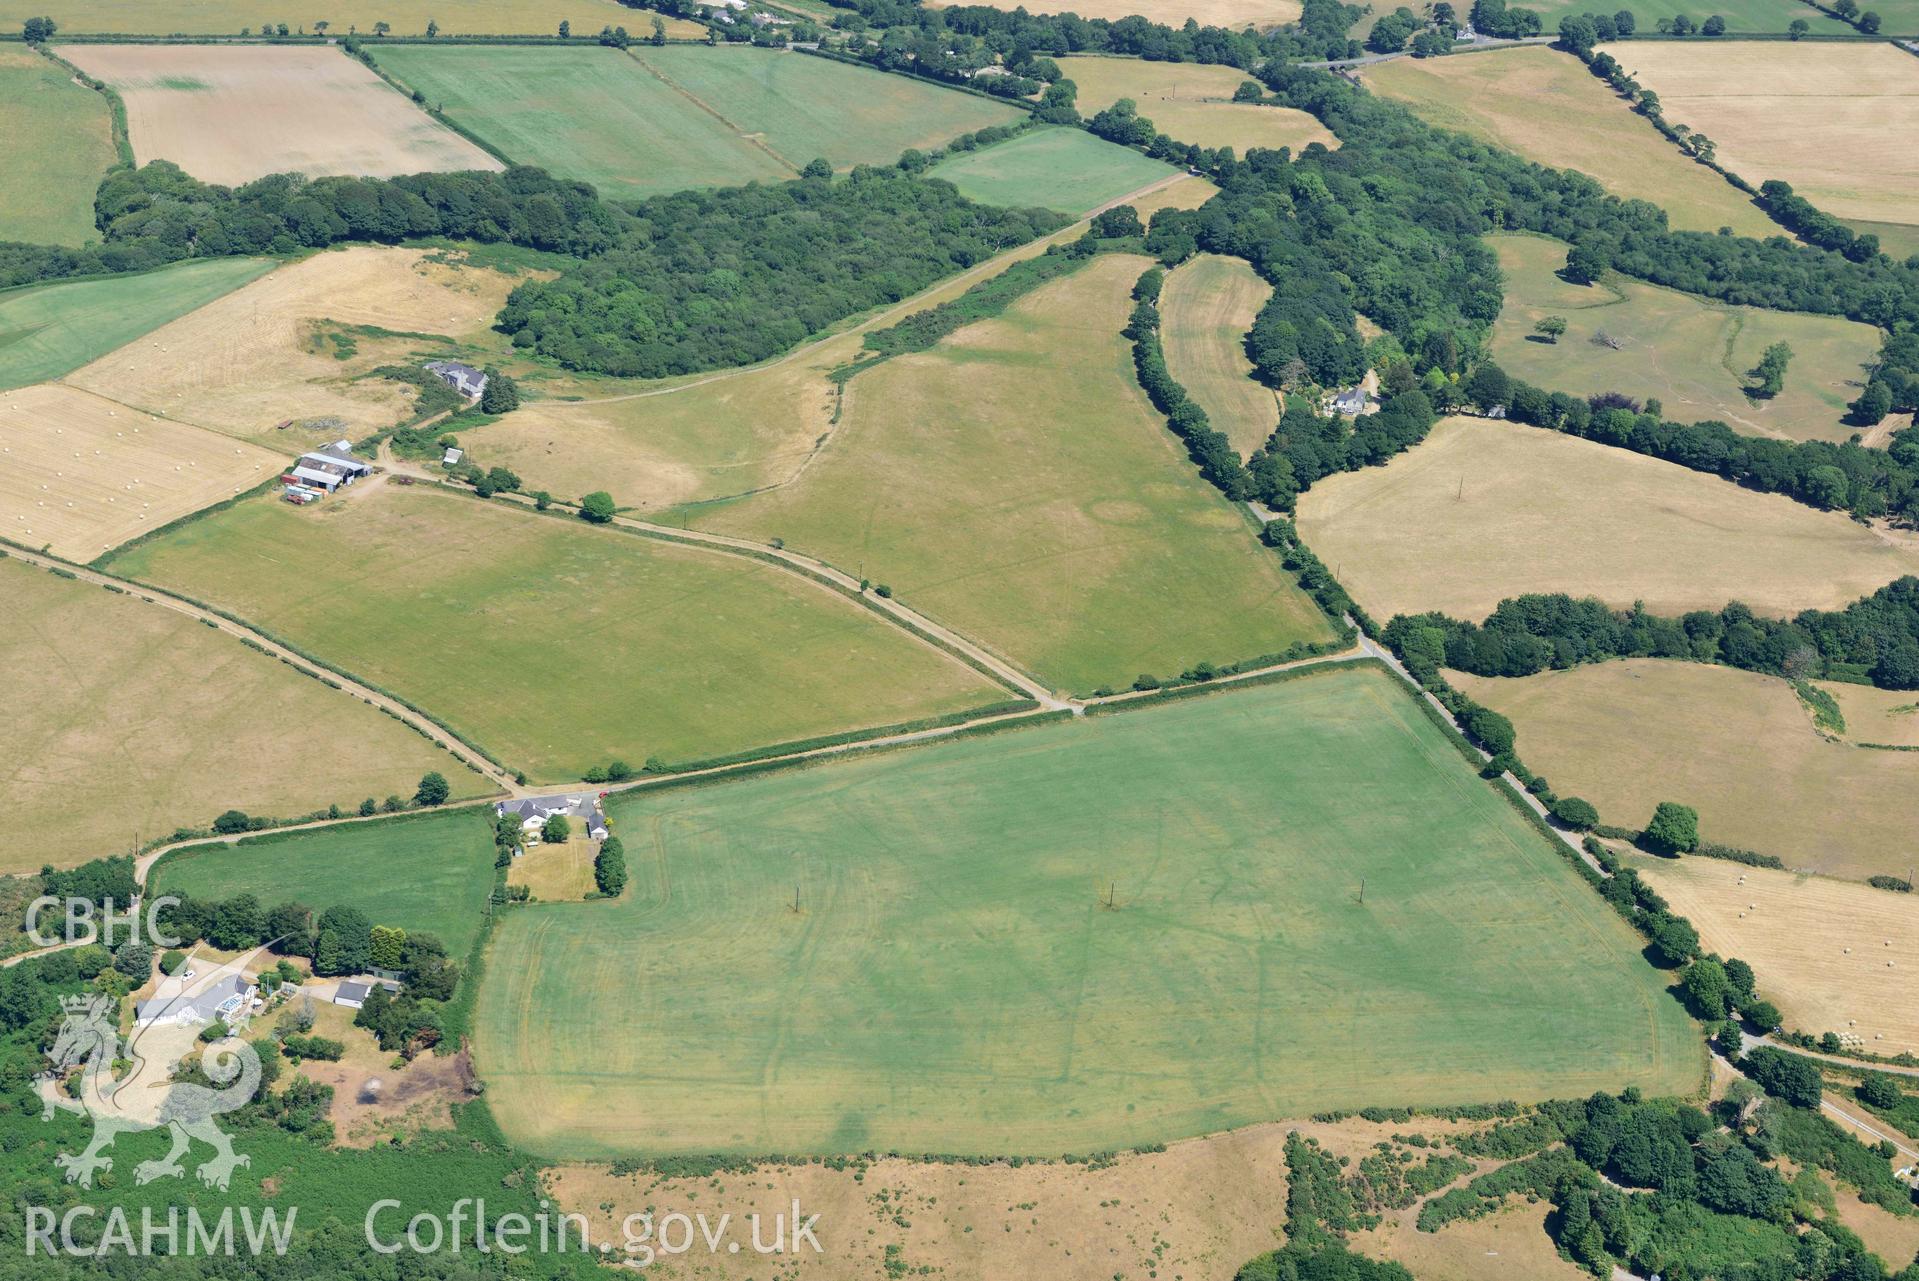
(327, 468)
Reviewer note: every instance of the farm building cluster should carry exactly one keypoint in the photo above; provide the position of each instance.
(581, 809)
(321, 471)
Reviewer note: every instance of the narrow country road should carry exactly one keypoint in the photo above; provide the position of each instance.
(1477, 43)
(1838, 1060)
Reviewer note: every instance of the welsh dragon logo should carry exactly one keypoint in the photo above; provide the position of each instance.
(125, 1092)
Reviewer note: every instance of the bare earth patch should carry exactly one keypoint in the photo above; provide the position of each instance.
(1816, 115)
(373, 1101)
(1482, 511)
(1735, 745)
(1834, 956)
(81, 474)
(263, 355)
(230, 115)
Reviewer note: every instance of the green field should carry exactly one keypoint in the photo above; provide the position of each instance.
(1014, 483)
(677, 117)
(407, 17)
(56, 146)
(554, 644)
(430, 875)
(1065, 169)
(1691, 354)
(50, 330)
(954, 982)
(1770, 16)
(801, 107)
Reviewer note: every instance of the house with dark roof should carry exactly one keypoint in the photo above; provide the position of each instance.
(465, 379)
(533, 811)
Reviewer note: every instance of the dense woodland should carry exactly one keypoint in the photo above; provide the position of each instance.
(709, 279)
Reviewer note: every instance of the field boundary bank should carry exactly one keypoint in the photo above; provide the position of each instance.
(745, 136)
(364, 57)
(116, 107)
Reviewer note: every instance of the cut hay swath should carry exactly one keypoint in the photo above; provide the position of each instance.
(954, 982)
(1485, 510)
(230, 114)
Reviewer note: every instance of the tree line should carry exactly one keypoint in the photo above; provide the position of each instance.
(1875, 639)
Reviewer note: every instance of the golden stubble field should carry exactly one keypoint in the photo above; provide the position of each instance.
(1206, 310)
(1737, 746)
(1486, 510)
(1834, 956)
(183, 721)
(264, 354)
(1192, 102)
(80, 474)
(1820, 116)
(232, 114)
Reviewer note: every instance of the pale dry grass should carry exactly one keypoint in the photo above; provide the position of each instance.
(1834, 956)
(80, 474)
(1486, 510)
(374, 1101)
(142, 721)
(1510, 1245)
(1544, 105)
(1820, 116)
(1737, 746)
(1893, 1237)
(1235, 15)
(560, 873)
(408, 17)
(1877, 715)
(659, 444)
(259, 356)
(1193, 102)
(229, 114)
(1206, 310)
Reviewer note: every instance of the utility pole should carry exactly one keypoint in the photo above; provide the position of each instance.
(1362, 891)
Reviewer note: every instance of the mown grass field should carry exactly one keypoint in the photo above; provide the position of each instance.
(660, 444)
(1013, 483)
(1065, 169)
(1547, 107)
(1693, 355)
(1834, 956)
(1813, 115)
(556, 645)
(111, 707)
(593, 114)
(1206, 310)
(1736, 746)
(50, 330)
(952, 982)
(407, 17)
(55, 148)
(429, 874)
(666, 119)
(1192, 102)
(230, 114)
(802, 108)
(1482, 511)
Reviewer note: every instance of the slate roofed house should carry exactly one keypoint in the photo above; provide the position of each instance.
(533, 811)
(353, 993)
(465, 379)
(1351, 401)
(221, 999)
